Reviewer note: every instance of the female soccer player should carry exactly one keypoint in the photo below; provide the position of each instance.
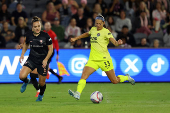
(41, 49)
(99, 56)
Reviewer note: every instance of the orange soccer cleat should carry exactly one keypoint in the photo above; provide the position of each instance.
(37, 93)
(48, 76)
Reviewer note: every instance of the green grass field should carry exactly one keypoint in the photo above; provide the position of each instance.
(119, 98)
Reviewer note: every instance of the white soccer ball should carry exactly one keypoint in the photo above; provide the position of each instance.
(96, 97)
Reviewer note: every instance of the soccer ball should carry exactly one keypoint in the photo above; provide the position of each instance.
(96, 97)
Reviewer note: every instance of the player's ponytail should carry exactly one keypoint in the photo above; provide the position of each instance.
(35, 19)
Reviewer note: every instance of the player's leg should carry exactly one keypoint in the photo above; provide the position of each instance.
(58, 76)
(34, 76)
(23, 76)
(108, 68)
(87, 71)
(42, 77)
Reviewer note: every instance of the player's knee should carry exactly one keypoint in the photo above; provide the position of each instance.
(114, 81)
(21, 76)
(41, 83)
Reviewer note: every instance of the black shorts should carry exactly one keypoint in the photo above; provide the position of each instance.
(30, 64)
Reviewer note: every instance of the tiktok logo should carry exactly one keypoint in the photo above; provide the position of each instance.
(157, 65)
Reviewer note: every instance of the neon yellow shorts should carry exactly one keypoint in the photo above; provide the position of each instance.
(104, 65)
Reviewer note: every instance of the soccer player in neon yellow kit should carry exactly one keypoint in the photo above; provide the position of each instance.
(99, 56)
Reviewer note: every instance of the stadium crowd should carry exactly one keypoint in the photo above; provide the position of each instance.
(139, 23)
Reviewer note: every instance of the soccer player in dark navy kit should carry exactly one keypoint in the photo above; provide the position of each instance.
(41, 49)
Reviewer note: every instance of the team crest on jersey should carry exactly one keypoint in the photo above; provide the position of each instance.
(41, 41)
(98, 34)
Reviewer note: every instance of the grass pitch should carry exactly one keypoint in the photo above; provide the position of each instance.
(119, 98)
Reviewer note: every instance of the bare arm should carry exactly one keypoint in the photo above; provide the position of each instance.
(116, 43)
(84, 35)
(25, 47)
(50, 51)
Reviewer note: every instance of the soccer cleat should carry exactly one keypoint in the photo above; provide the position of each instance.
(76, 94)
(24, 86)
(48, 76)
(130, 79)
(37, 93)
(60, 80)
(40, 97)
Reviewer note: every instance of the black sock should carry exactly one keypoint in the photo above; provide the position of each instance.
(25, 80)
(54, 73)
(34, 80)
(42, 89)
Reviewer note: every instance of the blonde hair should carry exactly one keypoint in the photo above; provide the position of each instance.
(100, 10)
(22, 18)
(145, 8)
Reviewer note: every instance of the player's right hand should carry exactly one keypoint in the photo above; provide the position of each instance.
(19, 46)
(72, 39)
(21, 59)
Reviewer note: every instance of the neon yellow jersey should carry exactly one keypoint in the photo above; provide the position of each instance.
(99, 41)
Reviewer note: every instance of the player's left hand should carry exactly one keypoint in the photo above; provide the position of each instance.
(57, 57)
(44, 63)
(120, 42)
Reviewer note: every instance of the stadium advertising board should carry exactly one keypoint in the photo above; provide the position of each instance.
(144, 65)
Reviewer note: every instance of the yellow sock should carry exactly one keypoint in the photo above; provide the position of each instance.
(81, 85)
(122, 78)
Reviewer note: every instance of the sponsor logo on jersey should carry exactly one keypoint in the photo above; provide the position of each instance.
(41, 41)
(109, 33)
(93, 39)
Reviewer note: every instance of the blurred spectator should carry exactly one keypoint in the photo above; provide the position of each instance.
(57, 4)
(69, 44)
(5, 28)
(4, 14)
(167, 20)
(83, 4)
(120, 22)
(129, 37)
(2, 42)
(59, 30)
(78, 44)
(74, 6)
(131, 7)
(110, 22)
(89, 25)
(143, 43)
(21, 29)
(8, 38)
(80, 18)
(18, 13)
(166, 38)
(97, 9)
(115, 7)
(164, 4)
(150, 4)
(112, 31)
(158, 17)
(124, 45)
(50, 13)
(94, 15)
(156, 43)
(65, 13)
(72, 29)
(143, 24)
(103, 6)
(142, 7)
